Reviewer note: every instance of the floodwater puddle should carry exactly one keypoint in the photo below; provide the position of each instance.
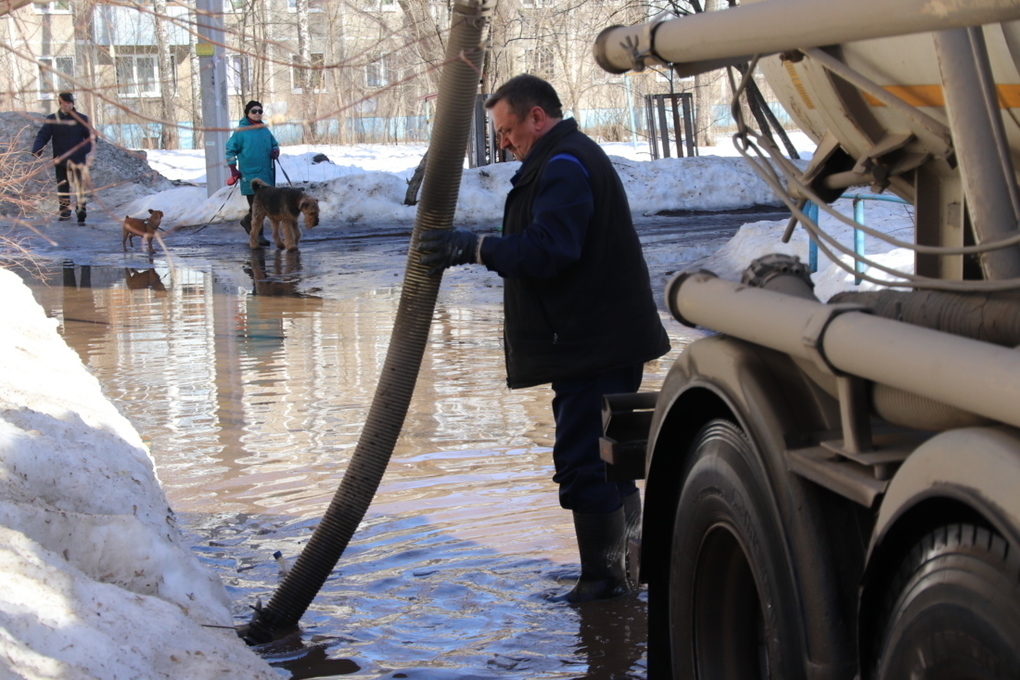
(251, 382)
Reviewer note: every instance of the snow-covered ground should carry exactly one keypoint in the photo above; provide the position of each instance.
(94, 579)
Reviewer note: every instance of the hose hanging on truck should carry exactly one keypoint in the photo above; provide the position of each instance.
(458, 86)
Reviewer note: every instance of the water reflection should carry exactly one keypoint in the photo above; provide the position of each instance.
(282, 280)
(140, 279)
(252, 393)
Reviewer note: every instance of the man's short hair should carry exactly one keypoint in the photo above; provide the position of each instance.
(524, 92)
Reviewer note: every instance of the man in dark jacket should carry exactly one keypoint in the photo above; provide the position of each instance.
(578, 307)
(72, 141)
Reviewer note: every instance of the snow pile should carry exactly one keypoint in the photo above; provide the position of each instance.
(299, 161)
(696, 183)
(351, 195)
(760, 238)
(95, 580)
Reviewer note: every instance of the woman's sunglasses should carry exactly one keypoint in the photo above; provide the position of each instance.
(255, 111)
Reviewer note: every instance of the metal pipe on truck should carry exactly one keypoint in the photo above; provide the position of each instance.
(969, 374)
(711, 40)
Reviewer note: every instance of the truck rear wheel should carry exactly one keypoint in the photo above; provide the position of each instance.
(954, 609)
(734, 613)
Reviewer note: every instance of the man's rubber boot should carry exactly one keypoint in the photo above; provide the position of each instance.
(601, 542)
(246, 224)
(65, 211)
(632, 518)
(81, 214)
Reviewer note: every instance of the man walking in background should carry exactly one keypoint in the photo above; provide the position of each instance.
(71, 135)
(578, 307)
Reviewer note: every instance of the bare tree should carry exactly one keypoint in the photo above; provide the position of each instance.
(498, 65)
(304, 62)
(426, 33)
(168, 84)
(198, 135)
(84, 47)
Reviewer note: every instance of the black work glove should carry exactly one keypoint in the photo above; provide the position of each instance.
(447, 248)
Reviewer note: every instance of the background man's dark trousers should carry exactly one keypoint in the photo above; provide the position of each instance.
(68, 180)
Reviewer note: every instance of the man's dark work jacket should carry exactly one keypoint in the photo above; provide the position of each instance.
(67, 132)
(597, 313)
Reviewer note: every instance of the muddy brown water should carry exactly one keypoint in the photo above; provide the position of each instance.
(250, 378)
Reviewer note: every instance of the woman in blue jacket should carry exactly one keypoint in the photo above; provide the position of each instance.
(251, 151)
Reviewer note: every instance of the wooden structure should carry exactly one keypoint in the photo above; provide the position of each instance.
(675, 126)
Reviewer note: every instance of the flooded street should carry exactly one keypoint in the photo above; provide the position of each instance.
(250, 377)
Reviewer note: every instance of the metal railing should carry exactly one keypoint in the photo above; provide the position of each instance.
(811, 210)
(681, 108)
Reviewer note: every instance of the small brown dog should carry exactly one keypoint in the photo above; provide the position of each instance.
(146, 228)
(282, 206)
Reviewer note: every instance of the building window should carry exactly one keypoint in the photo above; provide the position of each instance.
(238, 74)
(314, 72)
(137, 75)
(382, 5)
(51, 83)
(540, 62)
(313, 5)
(55, 7)
(234, 5)
(316, 77)
(377, 73)
(537, 4)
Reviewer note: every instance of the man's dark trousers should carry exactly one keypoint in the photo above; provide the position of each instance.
(580, 471)
(64, 185)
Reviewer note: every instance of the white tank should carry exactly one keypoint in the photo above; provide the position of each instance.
(864, 79)
(905, 66)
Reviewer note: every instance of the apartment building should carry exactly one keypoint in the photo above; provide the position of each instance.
(336, 71)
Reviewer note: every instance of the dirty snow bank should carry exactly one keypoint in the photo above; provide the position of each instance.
(760, 238)
(375, 196)
(95, 580)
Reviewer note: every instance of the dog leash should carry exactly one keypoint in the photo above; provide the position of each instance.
(222, 205)
(215, 215)
(283, 171)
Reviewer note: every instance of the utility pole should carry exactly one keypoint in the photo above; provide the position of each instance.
(214, 90)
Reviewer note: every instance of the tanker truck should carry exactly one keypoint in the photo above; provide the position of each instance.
(832, 489)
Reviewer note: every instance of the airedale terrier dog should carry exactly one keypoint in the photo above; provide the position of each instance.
(281, 205)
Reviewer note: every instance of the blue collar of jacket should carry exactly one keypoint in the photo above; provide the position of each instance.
(531, 164)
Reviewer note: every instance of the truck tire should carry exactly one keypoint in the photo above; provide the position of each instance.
(953, 609)
(733, 609)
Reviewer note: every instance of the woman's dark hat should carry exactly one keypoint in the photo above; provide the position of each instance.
(250, 105)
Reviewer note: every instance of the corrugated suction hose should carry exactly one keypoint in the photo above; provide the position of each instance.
(458, 87)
